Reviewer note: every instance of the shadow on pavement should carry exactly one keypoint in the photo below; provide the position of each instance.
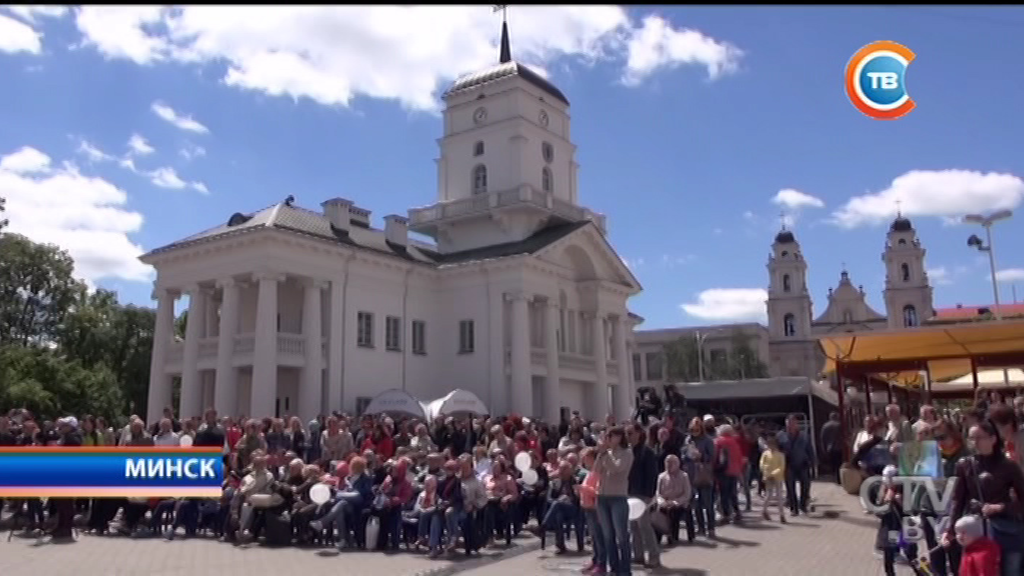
(733, 542)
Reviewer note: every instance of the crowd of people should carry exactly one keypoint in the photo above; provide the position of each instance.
(980, 532)
(456, 483)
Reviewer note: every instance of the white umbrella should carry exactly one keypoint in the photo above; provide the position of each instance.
(396, 401)
(458, 402)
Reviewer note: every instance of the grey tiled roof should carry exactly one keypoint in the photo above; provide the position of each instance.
(505, 70)
(307, 222)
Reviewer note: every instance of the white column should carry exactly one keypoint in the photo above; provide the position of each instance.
(336, 348)
(225, 390)
(264, 363)
(312, 330)
(159, 380)
(522, 375)
(553, 386)
(599, 399)
(624, 389)
(191, 384)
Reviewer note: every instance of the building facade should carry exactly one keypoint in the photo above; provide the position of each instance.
(793, 348)
(714, 343)
(519, 298)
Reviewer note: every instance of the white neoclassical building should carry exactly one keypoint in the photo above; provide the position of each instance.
(520, 298)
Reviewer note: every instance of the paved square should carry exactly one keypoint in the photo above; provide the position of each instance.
(837, 540)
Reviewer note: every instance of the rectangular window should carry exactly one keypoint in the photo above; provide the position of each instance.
(655, 366)
(466, 337)
(638, 370)
(419, 337)
(364, 329)
(393, 333)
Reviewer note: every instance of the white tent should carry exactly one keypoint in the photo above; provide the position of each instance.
(396, 401)
(457, 402)
(992, 378)
(758, 388)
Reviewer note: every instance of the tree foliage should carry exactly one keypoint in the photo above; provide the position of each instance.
(682, 360)
(65, 348)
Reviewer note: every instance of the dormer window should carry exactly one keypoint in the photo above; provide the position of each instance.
(785, 283)
(905, 272)
(546, 180)
(480, 179)
(478, 149)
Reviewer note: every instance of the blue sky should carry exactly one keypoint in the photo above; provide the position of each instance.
(689, 121)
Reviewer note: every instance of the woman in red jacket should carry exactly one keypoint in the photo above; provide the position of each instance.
(379, 442)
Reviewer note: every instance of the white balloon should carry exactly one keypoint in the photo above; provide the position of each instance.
(529, 477)
(636, 508)
(320, 493)
(523, 461)
(185, 441)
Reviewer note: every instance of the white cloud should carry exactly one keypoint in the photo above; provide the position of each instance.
(92, 153)
(729, 304)
(199, 187)
(1010, 275)
(796, 200)
(25, 160)
(940, 276)
(938, 193)
(406, 53)
(191, 152)
(182, 121)
(17, 36)
(30, 12)
(167, 178)
(749, 216)
(138, 145)
(84, 215)
(669, 261)
(656, 45)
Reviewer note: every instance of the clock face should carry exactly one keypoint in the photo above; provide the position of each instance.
(480, 115)
(544, 120)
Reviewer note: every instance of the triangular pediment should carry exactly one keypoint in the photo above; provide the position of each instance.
(591, 257)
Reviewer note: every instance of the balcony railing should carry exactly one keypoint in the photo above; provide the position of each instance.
(525, 196)
(294, 344)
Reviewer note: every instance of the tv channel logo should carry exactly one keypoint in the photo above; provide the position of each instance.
(876, 80)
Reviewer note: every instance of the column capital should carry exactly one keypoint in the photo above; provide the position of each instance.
(227, 282)
(161, 292)
(517, 296)
(315, 283)
(269, 276)
(552, 302)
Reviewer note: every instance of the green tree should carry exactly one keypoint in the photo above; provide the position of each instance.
(3, 208)
(682, 360)
(743, 361)
(37, 288)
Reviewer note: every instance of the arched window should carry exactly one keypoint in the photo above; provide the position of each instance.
(545, 180)
(785, 283)
(905, 272)
(789, 325)
(479, 179)
(785, 253)
(478, 149)
(909, 316)
(902, 242)
(847, 317)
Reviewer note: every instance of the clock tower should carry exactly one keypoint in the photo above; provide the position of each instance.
(506, 157)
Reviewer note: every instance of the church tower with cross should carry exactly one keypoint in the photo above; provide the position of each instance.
(507, 165)
(908, 293)
(791, 346)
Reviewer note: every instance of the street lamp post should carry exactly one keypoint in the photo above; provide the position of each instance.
(986, 246)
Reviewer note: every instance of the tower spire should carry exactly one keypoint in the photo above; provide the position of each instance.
(506, 50)
(899, 208)
(782, 219)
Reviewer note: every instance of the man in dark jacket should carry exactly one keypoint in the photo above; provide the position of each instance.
(65, 507)
(796, 445)
(832, 445)
(211, 434)
(643, 484)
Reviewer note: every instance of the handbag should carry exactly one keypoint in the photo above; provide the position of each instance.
(1007, 531)
(265, 500)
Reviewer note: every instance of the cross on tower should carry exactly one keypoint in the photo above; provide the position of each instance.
(503, 8)
(782, 219)
(899, 208)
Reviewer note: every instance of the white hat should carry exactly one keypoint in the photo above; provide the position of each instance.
(68, 421)
(709, 417)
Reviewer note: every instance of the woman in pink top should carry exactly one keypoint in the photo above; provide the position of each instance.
(588, 501)
(501, 490)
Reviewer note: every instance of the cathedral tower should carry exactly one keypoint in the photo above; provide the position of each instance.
(908, 295)
(791, 345)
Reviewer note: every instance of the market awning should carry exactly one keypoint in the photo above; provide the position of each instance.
(945, 352)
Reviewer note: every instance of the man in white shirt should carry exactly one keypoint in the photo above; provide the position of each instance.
(166, 435)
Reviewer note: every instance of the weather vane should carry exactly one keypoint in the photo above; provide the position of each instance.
(503, 8)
